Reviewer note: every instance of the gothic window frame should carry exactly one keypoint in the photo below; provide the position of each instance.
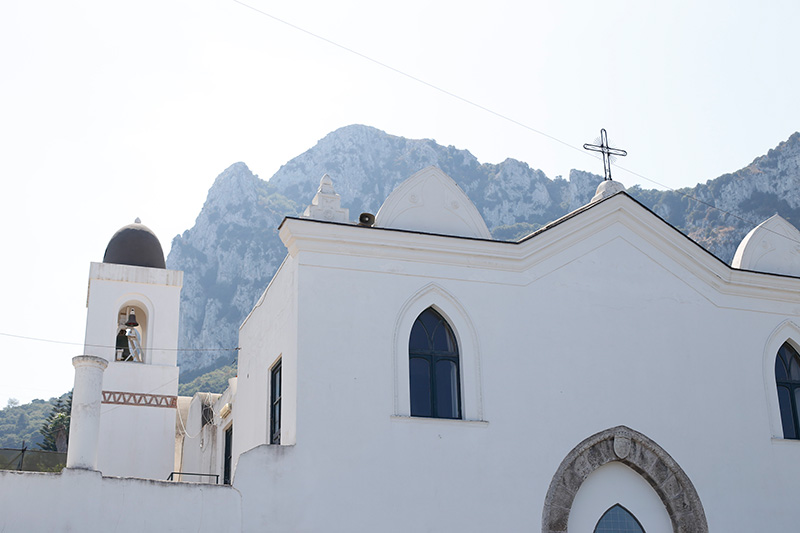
(785, 332)
(432, 342)
(469, 347)
(787, 359)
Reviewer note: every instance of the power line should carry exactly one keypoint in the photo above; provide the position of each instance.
(411, 77)
(495, 113)
(38, 339)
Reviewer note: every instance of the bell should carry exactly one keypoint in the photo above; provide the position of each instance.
(132, 319)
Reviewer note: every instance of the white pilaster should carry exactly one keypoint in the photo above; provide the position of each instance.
(87, 395)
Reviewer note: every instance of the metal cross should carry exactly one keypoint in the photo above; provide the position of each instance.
(607, 152)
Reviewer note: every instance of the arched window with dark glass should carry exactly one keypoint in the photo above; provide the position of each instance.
(787, 379)
(618, 520)
(434, 376)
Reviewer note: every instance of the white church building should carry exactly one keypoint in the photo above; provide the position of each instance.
(409, 373)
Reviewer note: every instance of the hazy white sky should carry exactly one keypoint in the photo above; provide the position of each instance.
(110, 110)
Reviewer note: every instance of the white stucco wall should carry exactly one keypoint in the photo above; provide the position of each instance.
(79, 500)
(609, 318)
(136, 441)
(268, 334)
(201, 446)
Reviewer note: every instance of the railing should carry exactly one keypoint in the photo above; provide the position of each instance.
(178, 476)
(31, 460)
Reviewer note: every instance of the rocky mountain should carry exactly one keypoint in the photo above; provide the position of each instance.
(233, 250)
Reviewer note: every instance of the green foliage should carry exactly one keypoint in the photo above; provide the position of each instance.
(21, 423)
(279, 204)
(763, 205)
(215, 381)
(55, 429)
(57, 467)
(38, 423)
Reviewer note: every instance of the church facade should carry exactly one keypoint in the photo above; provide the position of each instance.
(409, 373)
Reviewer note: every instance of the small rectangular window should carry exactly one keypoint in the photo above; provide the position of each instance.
(275, 404)
(228, 456)
(207, 413)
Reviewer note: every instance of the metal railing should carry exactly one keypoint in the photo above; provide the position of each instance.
(32, 460)
(178, 476)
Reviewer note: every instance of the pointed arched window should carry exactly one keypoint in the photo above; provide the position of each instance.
(787, 379)
(434, 376)
(618, 520)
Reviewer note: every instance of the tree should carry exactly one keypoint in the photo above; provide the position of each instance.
(13, 402)
(55, 429)
(22, 423)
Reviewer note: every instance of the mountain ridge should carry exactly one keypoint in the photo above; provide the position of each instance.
(232, 251)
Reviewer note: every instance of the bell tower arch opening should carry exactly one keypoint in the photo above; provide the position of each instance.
(131, 333)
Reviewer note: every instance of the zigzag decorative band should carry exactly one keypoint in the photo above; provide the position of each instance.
(135, 398)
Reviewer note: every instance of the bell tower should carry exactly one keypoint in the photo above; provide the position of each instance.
(132, 322)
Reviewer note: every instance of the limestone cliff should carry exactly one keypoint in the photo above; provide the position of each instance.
(233, 249)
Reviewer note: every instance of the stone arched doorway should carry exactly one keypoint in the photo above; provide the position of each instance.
(639, 453)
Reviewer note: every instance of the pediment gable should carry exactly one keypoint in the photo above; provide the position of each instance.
(620, 219)
(620, 208)
(431, 202)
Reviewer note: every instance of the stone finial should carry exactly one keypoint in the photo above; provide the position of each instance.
(326, 204)
(137, 221)
(326, 185)
(607, 188)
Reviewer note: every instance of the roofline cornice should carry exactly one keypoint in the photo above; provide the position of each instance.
(535, 252)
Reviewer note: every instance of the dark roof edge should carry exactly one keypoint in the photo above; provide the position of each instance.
(549, 226)
(399, 230)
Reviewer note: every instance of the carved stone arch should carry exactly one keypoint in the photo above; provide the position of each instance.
(451, 309)
(786, 331)
(637, 452)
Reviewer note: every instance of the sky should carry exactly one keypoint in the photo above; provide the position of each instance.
(111, 111)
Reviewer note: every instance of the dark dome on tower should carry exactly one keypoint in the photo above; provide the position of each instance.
(135, 245)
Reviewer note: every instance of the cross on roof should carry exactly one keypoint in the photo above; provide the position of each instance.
(607, 152)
